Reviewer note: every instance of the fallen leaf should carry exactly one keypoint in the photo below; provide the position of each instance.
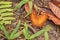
(52, 18)
(55, 9)
(56, 2)
(36, 20)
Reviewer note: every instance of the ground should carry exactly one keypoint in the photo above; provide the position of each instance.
(54, 33)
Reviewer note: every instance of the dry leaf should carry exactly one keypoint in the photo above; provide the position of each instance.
(55, 9)
(36, 20)
(52, 18)
(56, 2)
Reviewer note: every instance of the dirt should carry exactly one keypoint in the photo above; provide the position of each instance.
(54, 33)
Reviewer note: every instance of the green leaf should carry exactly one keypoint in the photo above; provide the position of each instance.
(8, 18)
(15, 30)
(17, 34)
(26, 33)
(0, 17)
(4, 10)
(37, 34)
(47, 28)
(4, 30)
(46, 36)
(30, 8)
(6, 22)
(20, 4)
(5, 2)
(5, 6)
(7, 14)
(1, 22)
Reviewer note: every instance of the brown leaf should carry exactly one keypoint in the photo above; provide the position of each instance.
(52, 18)
(55, 9)
(56, 2)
